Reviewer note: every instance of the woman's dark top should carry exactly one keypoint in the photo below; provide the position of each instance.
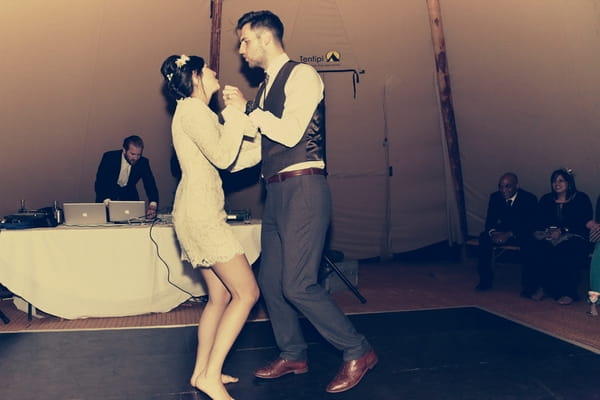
(570, 216)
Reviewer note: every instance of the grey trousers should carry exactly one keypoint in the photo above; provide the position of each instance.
(294, 226)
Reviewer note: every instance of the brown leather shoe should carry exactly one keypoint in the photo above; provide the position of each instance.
(281, 367)
(352, 372)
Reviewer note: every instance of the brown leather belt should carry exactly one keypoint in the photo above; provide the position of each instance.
(282, 176)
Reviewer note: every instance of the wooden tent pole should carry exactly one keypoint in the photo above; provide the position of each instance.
(216, 8)
(447, 108)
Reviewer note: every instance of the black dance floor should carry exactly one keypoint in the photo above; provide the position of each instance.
(460, 353)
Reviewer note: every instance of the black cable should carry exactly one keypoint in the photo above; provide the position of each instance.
(163, 261)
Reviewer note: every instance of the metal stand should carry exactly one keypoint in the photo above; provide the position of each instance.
(4, 318)
(4, 293)
(330, 265)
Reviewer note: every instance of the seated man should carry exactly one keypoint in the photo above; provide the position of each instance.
(509, 221)
(119, 172)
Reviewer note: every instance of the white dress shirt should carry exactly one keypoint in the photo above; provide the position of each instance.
(125, 171)
(303, 93)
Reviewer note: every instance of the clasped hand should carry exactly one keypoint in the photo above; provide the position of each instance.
(553, 233)
(501, 237)
(594, 232)
(232, 96)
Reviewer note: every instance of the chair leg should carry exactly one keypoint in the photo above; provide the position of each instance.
(4, 318)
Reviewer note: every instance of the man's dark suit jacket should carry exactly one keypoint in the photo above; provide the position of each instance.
(518, 218)
(108, 173)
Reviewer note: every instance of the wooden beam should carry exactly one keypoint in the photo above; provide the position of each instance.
(447, 108)
(216, 8)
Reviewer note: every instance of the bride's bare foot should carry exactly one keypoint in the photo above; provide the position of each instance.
(224, 378)
(214, 389)
(229, 379)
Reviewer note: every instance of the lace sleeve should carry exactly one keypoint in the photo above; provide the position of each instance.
(219, 143)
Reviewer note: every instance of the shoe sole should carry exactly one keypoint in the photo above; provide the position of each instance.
(295, 372)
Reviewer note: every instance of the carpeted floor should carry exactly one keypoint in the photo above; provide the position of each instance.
(456, 353)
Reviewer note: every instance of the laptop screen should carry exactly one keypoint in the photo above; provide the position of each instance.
(123, 211)
(84, 213)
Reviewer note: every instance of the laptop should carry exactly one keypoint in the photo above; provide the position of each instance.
(84, 213)
(126, 211)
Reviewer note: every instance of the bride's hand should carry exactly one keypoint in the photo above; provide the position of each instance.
(232, 96)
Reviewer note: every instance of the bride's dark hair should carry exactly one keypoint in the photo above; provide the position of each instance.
(177, 71)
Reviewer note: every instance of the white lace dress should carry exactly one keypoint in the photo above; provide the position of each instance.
(203, 145)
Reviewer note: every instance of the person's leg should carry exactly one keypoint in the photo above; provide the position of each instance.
(484, 265)
(297, 217)
(583, 251)
(237, 277)
(572, 255)
(218, 299)
(303, 230)
(529, 275)
(283, 317)
(540, 265)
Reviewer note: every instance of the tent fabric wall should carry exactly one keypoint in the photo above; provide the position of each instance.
(77, 77)
(525, 81)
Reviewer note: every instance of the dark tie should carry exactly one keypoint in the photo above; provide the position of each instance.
(260, 95)
(509, 202)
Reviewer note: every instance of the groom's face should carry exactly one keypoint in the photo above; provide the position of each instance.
(251, 46)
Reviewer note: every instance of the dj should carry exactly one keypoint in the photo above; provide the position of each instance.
(120, 171)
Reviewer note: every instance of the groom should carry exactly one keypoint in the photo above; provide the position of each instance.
(289, 113)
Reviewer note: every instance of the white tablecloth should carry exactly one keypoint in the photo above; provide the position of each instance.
(78, 272)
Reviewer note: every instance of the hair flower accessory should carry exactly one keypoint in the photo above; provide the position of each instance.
(182, 60)
(568, 171)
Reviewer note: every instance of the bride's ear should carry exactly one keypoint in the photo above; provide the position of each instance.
(195, 78)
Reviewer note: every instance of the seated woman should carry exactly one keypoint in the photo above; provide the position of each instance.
(594, 288)
(562, 245)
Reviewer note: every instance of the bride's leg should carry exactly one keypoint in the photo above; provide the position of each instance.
(218, 298)
(238, 278)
